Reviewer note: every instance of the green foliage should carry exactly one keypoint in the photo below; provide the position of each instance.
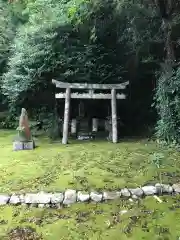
(6, 33)
(168, 105)
(47, 47)
(157, 161)
(167, 95)
(79, 41)
(86, 41)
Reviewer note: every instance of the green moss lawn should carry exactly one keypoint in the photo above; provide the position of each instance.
(89, 165)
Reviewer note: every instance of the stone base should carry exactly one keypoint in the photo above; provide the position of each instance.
(29, 145)
(85, 137)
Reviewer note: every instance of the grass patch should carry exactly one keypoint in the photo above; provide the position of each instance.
(88, 165)
(144, 220)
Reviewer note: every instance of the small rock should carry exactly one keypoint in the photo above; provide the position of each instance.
(111, 195)
(136, 191)
(4, 199)
(83, 197)
(57, 198)
(135, 197)
(38, 198)
(163, 188)
(96, 197)
(69, 197)
(149, 190)
(176, 187)
(14, 199)
(125, 192)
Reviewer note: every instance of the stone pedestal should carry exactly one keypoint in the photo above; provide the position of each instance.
(28, 145)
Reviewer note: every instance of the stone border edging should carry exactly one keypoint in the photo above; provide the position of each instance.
(57, 200)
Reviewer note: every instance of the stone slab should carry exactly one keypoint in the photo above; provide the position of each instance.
(29, 145)
(19, 146)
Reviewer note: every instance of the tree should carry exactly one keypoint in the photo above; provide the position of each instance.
(168, 84)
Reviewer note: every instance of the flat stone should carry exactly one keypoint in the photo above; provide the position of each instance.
(38, 198)
(149, 190)
(125, 192)
(14, 199)
(137, 192)
(96, 197)
(83, 197)
(176, 187)
(22, 198)
(163, 188)
(57, 198)
(28, 145)
(4, 199)
(69, 197)
(111, 195)
(135, 197)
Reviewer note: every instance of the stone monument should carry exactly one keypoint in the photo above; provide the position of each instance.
(23, 141)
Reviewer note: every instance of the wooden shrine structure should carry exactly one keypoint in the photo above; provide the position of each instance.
(90, 94)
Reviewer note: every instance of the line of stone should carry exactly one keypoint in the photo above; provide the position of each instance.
(57, 200)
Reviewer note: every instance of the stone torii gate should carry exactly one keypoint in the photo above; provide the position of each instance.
(90, 95)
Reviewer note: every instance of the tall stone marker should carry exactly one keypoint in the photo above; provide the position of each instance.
(23, 140)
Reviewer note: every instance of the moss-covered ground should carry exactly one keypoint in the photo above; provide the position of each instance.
(89, 165)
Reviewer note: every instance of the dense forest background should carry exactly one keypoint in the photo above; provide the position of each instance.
(97, 41)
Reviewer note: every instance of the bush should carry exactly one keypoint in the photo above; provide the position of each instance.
(168, 105)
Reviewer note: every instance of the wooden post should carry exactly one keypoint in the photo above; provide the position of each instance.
(114, 116)
(94, 124)
(66, 116)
